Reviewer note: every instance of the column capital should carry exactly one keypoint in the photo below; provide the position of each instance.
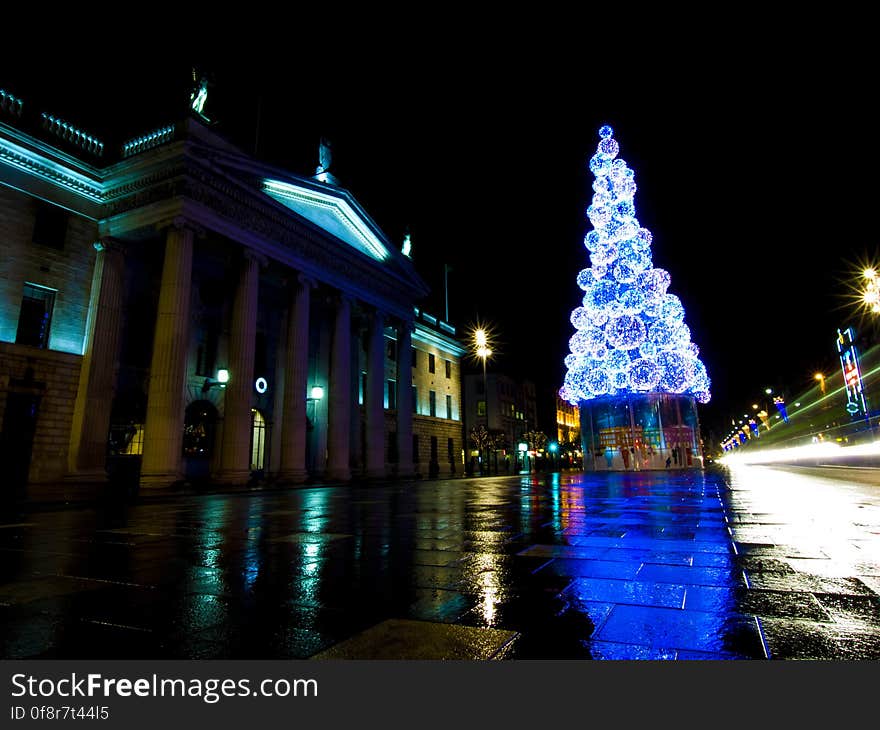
(294, 280)
(106, 243)
(180, 223)
(250, 255)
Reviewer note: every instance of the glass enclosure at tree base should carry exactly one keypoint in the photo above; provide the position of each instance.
(640, 431)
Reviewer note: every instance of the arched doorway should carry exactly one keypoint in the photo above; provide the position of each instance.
(199, 429)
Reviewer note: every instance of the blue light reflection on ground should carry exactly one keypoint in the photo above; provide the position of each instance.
(607, 566)
(655, 548)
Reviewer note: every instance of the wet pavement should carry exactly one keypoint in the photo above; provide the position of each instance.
(752, 563)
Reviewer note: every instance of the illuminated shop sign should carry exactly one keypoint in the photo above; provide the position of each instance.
(852, 374)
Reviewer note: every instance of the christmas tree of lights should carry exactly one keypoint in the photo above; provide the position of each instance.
(631, 336)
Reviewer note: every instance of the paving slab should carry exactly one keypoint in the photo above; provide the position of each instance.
(407, 639)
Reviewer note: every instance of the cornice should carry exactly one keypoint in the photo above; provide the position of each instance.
(35, 158)
(185, 176)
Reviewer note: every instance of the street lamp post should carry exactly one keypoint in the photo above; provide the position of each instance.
(316, 394)
(483, 351)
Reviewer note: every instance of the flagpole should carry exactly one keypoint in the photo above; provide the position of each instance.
(446, 289)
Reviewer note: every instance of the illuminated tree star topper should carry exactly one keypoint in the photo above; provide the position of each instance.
(630, 333)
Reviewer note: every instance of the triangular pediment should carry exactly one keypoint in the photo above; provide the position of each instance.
(332, 211)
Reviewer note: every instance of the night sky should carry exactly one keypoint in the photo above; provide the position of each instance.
(755, 164)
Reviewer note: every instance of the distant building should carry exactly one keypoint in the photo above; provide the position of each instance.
(568, 434)
(507, 408)
(568, 422)
(437, 441)
(178, 310)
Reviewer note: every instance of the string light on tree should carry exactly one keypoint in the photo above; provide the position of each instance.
(630, 335)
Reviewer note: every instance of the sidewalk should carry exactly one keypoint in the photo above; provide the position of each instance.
(752, 564)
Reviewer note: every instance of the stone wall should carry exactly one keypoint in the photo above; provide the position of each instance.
(443, 429)
(67, 269)
(54, 377)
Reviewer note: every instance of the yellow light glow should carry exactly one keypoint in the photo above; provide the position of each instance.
(870, 274)
(483, 343)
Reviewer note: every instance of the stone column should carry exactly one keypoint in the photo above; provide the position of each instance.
(356, 458)
(404, 400)
(293, 418)
(235, 457)
(163, 430)
(339, 435)
(87, 455)
(374, 397)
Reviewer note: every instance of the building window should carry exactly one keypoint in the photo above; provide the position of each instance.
(432, 403)
(261, 355)
(431, 362)
(258, 440)
(50, 226)
(391, 350)
(391, 395)
(393, 454)
(415, 359)
(206, 355)
(449, 406)
(415, 400)
(127, 439)
(448, 368)
(362, 387)
(37, 303)
(481, 408)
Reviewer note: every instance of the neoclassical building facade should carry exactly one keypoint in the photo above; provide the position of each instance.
(180, 311)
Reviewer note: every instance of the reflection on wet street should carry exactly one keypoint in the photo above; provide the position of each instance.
(748, 564)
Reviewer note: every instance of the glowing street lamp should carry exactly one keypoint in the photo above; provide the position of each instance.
(315, 394)
(220, 381)
(871, 293)
(483, 351)
(821, 378)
